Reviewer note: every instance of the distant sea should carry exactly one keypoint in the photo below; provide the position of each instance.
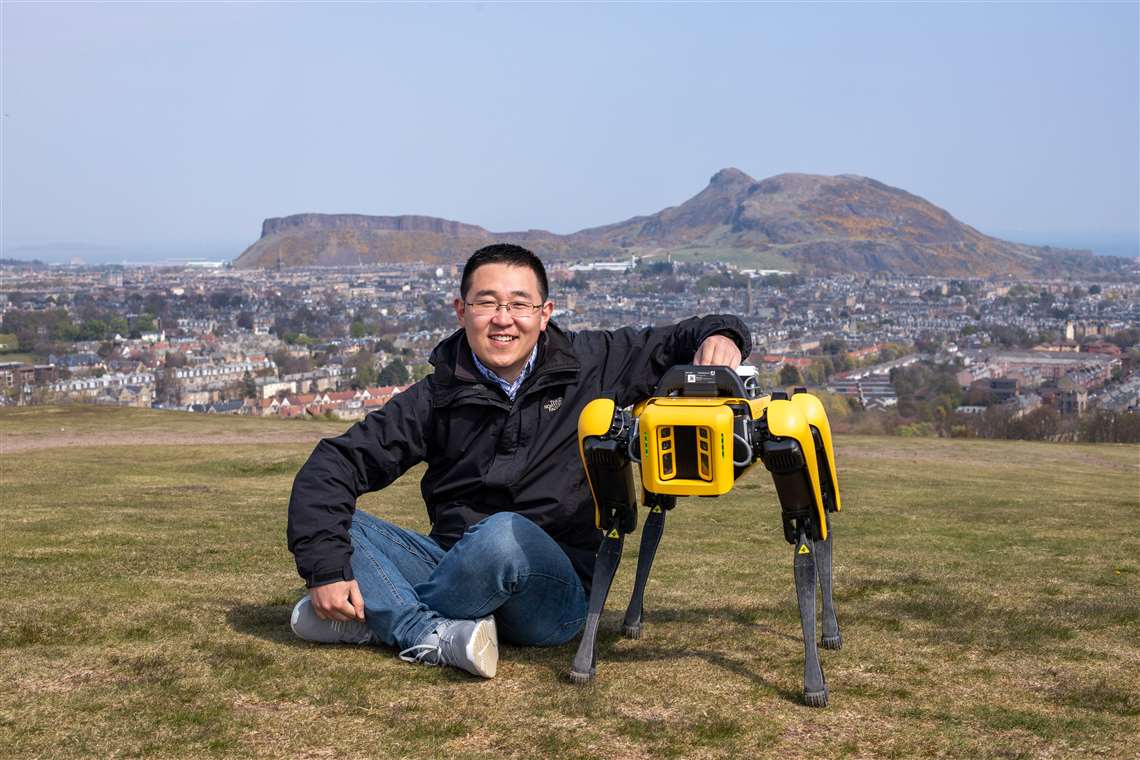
(1101, 247)
(1130, 250)
(91, 254)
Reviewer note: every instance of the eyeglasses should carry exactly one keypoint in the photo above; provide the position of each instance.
(517, 309)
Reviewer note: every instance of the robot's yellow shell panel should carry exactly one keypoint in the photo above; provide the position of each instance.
(686, 402)
(596, 418)
(787, 420)
(602, 446)
(755, 406)
(686, 447)
(759, 405)
(816, 416)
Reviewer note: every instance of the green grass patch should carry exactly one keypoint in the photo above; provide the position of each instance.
(741, 257)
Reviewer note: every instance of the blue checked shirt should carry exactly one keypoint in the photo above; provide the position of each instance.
(508, 388)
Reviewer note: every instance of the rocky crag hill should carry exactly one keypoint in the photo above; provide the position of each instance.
(808, 223)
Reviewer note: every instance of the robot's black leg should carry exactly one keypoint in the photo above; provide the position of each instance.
(830, 638)
(650, 538)
(609, 556)
(815, 687)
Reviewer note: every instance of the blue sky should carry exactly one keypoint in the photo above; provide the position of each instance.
(177, 128)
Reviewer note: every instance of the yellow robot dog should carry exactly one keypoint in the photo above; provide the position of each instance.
(700, 431)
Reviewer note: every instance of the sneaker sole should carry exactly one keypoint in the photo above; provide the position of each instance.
(483, 648)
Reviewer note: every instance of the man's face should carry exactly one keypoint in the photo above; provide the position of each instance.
(503, 341)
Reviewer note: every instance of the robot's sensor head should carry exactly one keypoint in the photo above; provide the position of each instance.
(686, 446)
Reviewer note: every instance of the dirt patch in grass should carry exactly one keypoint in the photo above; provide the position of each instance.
(57, 682)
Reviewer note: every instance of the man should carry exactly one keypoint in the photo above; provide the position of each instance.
(513, 540)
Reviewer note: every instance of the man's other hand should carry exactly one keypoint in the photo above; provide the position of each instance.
(338, 601)
(719, 350)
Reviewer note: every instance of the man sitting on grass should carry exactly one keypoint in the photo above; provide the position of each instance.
(512, 542)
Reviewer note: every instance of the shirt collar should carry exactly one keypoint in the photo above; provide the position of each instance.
(509, 388)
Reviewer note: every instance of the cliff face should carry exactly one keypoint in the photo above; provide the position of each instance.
(362, 223)
(348, 239)
(810, 223)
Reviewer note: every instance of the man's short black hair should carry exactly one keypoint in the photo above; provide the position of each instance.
(504, 253)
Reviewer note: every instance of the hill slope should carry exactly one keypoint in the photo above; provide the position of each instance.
(810, 223)
(984, 614)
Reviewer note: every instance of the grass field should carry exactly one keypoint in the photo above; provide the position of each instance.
(15, 357)
(987, 594)
(741, 257)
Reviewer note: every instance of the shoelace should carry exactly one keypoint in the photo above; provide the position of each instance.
(353, 628)
(421, 652)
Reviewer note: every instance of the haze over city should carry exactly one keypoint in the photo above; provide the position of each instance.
(150, 131)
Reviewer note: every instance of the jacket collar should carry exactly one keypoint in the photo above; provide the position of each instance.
(454, 366)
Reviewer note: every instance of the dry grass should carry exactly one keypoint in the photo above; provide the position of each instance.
(987, 593)
(86, 425)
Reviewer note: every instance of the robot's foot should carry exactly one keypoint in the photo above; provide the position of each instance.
(581, 679)
(831, 642)
(631, 624)
(816, 698)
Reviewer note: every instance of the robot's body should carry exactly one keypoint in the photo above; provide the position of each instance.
(700, 431)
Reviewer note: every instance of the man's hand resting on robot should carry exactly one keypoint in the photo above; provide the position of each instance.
(338, 601)
(718, 350)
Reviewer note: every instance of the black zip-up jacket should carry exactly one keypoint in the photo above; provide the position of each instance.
(486, 453)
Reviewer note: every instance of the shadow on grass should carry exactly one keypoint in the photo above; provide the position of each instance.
(1101, 695)
(265, 621)
(608, 653)
(745, 617)
(270, 622)
(610, 647)
(738, 668)
(1019, 618)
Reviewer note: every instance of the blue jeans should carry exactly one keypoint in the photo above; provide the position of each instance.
(504, 565)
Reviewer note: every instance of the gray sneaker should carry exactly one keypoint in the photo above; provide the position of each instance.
(309, 627)
(471, 645)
